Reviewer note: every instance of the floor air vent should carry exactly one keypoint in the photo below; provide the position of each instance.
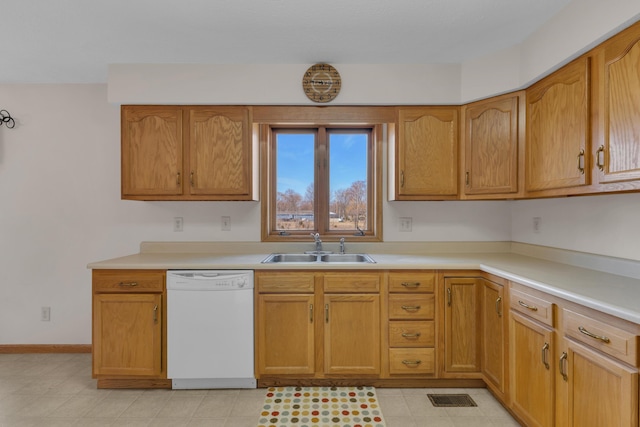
(451, 400)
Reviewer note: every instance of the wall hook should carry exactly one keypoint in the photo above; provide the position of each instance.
(6, 118)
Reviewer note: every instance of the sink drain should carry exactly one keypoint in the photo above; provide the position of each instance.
(451, 400)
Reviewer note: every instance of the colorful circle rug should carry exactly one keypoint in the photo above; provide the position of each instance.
(321, 407)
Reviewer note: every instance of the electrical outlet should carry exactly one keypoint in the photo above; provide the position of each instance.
(537, 224)
(177, 223)
(225, 222)
(405, 223)
(45, 314)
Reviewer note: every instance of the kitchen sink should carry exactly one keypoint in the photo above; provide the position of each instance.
(318, 258)
(346, 258)
(290, 258)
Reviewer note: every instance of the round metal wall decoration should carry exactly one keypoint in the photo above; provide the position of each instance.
(321, 83)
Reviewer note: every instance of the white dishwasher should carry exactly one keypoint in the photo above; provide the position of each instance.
(210, 329)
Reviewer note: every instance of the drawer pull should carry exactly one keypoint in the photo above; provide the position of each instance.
(530, 307)
(128, 284)
(411, 308)
(414, 335)
(411, 362)
(592, 335)
(410, 284)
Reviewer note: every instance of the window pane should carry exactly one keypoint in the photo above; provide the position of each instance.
(348, 181)
(295, 181)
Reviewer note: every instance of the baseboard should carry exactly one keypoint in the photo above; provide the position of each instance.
(44, 348)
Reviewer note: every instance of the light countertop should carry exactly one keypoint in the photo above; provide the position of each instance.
(610, 293)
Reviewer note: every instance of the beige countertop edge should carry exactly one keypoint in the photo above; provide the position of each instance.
(605, 292)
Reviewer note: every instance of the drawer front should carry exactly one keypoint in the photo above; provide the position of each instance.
(128, 281)
(602, 336)
(352, 282)
(411, 306)
(412, 282)
(412, 333)
(289, 282)
(412, 361)
(534, 307)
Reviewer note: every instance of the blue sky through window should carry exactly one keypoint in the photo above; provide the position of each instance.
(295, 160)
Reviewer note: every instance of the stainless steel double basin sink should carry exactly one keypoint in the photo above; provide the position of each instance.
(328, 258)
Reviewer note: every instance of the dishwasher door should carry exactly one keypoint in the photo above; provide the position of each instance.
(210, 329)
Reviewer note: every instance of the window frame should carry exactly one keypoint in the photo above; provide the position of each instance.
(321, 190)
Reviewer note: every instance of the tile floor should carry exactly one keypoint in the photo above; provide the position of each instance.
(57, 390)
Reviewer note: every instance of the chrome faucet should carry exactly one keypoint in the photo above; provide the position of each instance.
(316, 238)
(342, 246)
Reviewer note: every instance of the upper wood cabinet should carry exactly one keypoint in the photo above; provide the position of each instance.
(426, 154)
(558, 137)
(492, 147)
(186, 153)
(152, 149)
(617, 137)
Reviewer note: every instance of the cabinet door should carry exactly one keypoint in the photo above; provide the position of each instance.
(127, 334)
(491, 146)
(557, 145)
(493, 334)
(602, 392)
(285, 334)
(618, 154)
(151, 151)
(220, 152)
(352, 334)
(461, 325)
(531, 367)
(427, 153)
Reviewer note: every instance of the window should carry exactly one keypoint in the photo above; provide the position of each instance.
(322, 179)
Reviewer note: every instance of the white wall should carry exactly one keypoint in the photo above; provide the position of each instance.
(606, 224)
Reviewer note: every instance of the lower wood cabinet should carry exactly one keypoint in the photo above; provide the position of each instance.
(128, 324)
(318, 324)
(352, 334)
(411, 324)
(493, 335)
(461, 326)
(532, 392)
(285, 332)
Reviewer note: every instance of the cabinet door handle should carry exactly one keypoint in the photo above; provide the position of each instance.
(412, 362)
(466, 178)
(191, 179)
(602, 338)
(128, 284)
(600, 158)
(401, 178)
(563, 365)
(411, 308)
(326, 313)
(545, 355)
(581, 161)
(449, 297)
(155, 314)
(408, 335)
(310, 313)
(411, 284)
(178, 180)
(498, 310)
(530, 307)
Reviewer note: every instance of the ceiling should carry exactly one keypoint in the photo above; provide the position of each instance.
(73, 41)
